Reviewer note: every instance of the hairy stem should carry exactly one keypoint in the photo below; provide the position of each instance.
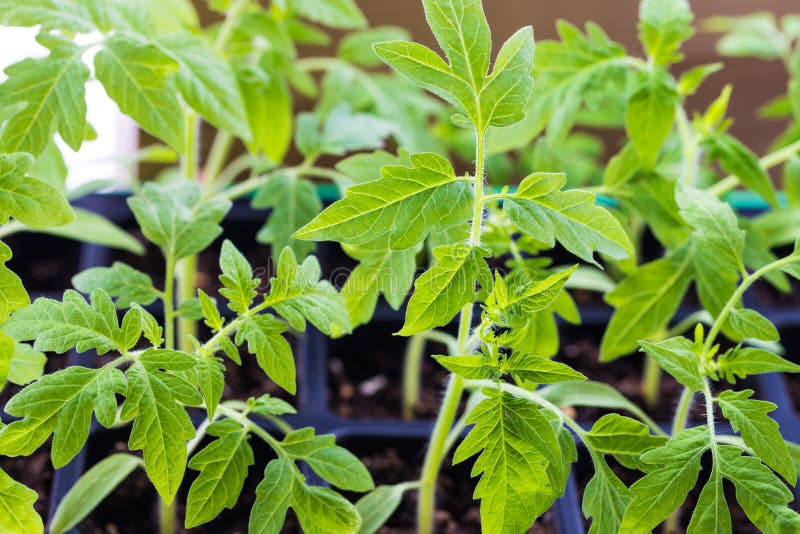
(455, 387)
(186, 278)
(682, 413)
(651, 382)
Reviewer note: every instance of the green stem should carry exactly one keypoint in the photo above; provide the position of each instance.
(169, 304)
(217, 156)
(737, 295)
(767, 162)
(187, 274)
(682, 413)
(189, 159)
(166, 517)
(691, 151)
(412, 365)
(426, 504)
(651, 382)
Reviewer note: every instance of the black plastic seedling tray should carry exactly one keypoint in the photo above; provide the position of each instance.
(313, 350)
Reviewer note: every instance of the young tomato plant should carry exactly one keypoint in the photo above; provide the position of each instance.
(171, 76)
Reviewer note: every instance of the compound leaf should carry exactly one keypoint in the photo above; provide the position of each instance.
(223, 466)
(120, 281)
(408, 203)
(759, 431)
(136, 75)
(174, 217)
(17, 501)
(569, 217)
(512, 435)
(446, 287)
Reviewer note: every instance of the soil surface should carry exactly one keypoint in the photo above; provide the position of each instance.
(365, 373)
(44, 263)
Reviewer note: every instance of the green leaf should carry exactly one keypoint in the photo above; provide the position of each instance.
(760, 432)
(211, 378)
(605, 500)
(237, 278)
(574, 73)
(89, 227)
(268, 105)
(711, 514)
(51, 14)
(12, 293)
(52, 89)
(298, 295)
(61, 403)
(91, 489)
(470, 366)
(71, 324)
(678, 357)
(622, 437)
(135, 74)
(26, 364)
(207, 83)
(266, 405)
(273, 497)
(462, 31)
(739, 161)
(691, 80)
(162, 427)
(645, 302)
(715, 226)
(750, 324)
(653, 197)
(743, 362)
(342, 14)
(650, 115)
(264, 336)
(622, 167)
(120, 281)
(175, 217)
(342, 132)
(17, 501)
(446, 287)
(356, 47)
(380, 270)
(762, 496)
(517, 443)
(377, 506)
(590, 393)
(294, 204)
(663, 27)
(223, 466)
(210, 311)
(664, 488)
(538, 369)
(322, 510)
(521, 294)
(407, 204)
(32, 202)
(572, 218)
(752, 35)
(333, 463)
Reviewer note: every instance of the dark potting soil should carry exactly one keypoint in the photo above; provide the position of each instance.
(44, 263)
(35, 472)
(626, 375)
(393, 461)
(365, 373)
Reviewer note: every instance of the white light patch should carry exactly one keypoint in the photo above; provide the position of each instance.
(117, 135)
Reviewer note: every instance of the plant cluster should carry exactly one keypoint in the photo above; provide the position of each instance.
(496, 259)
